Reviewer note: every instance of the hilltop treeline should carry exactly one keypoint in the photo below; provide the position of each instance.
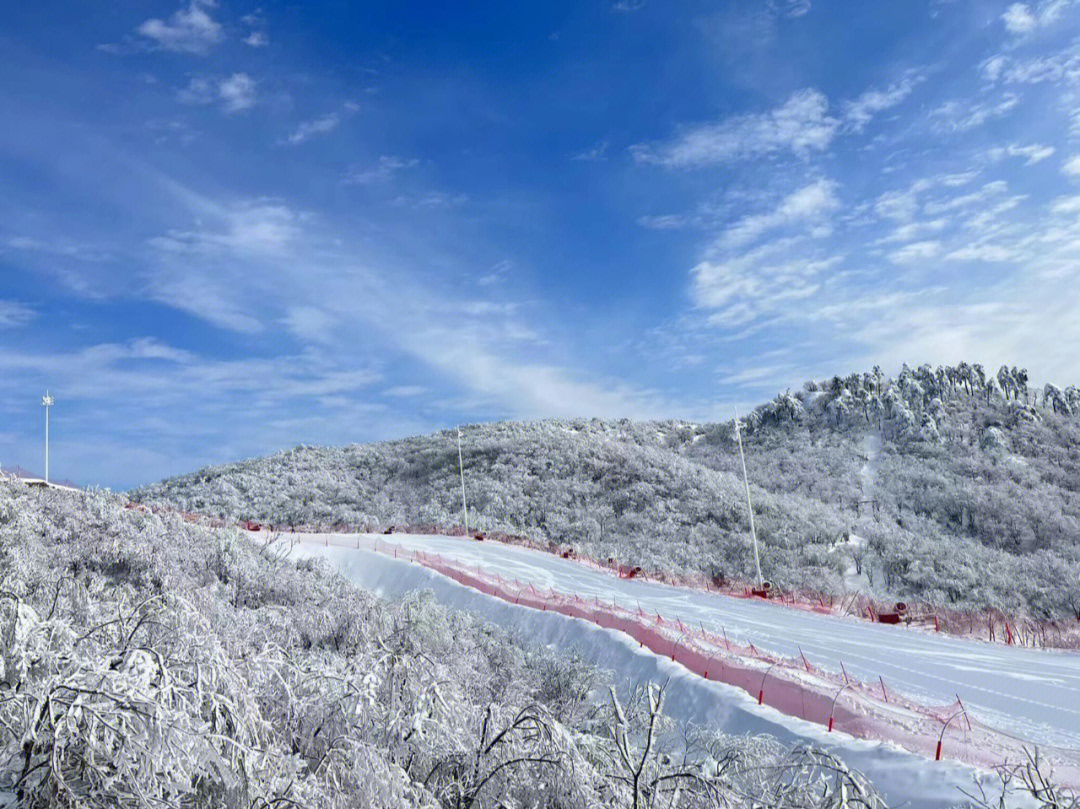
(962, 488)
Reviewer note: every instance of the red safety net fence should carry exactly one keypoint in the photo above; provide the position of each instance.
(794, 687)
(991, 625)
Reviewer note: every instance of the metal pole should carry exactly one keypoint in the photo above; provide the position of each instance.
(749, 507)
(461, 469)
(48, 401)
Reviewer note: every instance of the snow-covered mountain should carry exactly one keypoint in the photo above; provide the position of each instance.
(963, 488)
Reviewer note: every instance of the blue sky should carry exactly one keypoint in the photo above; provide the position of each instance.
(228, 228)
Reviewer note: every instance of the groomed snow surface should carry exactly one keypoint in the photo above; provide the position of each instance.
(1031, 694)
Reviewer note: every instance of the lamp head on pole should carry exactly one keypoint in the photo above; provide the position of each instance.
(48, 400)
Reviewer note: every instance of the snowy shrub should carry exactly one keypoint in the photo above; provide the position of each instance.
(148, 662)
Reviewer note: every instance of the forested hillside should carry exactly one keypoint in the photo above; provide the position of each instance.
(960, 487)
(146, 662)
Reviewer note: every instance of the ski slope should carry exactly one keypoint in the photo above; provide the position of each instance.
(1032, 694)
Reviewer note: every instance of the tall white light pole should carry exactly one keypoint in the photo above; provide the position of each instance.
(749, 508)
(48, 401)
(461, 469)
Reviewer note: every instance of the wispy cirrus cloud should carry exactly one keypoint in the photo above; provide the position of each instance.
(14, 314)
(961, 115)
(323, 125)
(859, 112)
(385, 168)
(801, 125)
(1032, 153)
(810, 204)
(597, 152)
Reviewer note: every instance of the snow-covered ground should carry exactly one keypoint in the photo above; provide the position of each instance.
(1034, 694)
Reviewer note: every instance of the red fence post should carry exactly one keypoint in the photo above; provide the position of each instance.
(761, 689)
(712, 657)
(832, 709)
(884, 693)
(941, 738)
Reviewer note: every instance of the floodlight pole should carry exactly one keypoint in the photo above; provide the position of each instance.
(461, 470)
(749, 507)
(47, 401)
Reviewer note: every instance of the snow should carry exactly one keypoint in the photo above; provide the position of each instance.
(1034, 694)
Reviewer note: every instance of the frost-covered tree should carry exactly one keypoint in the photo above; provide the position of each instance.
(148, 663)
(992, 480)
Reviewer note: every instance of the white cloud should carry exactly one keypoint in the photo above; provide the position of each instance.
(626, 6)
(962, 115)
(808, 204)
(260, 227)
(664, 221)
(14, 314)
(912, 231)
(1034, 153)
(1060, 66)
(1021, 18)
(432, 200)
(308, 129)
(311, 323)
(761, 281)
(993, 67)
(597, 152)
(383, 170)
(405, 390)
(960, 201)
(190, 30)
(1018, 19)
(1066, 205)
(237, 92)
(981, 252)
(197, 91)
(915, 252)
(800, 125)
(902, 205)
(255, 264)
(859, 112)
(257, 39)
(1071, 167)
